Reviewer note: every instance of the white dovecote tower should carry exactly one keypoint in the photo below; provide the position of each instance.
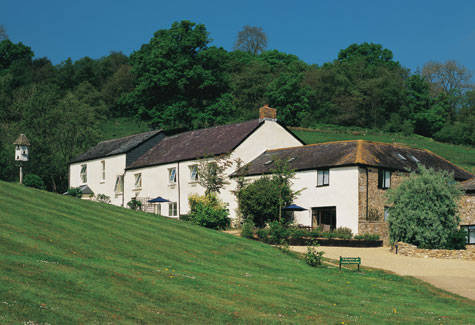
(21, 152)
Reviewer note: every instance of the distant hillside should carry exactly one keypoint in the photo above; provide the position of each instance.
(70, 261)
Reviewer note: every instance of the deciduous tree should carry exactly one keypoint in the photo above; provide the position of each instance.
(251, 39)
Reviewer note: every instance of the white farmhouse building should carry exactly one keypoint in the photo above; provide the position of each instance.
(168, 168)
(100, 170)
(344, 182)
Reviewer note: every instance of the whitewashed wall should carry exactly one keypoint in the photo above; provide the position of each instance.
(342, 192)
(115, 166)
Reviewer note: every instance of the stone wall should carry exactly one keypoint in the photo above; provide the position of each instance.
(371, 220)
(467, 209)
(412, 250)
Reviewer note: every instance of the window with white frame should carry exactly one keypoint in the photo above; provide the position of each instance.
(138, 180)
(384, 178)
(119, 185)
(323, 177)
(193, 173)
(172, 209)
(103, 165)
(172, 175)
(470, 233)
(83, 174)
(158, 208)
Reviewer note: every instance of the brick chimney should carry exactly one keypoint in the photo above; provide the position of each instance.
(267, 113)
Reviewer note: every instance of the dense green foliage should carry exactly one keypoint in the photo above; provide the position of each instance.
(34, 181)
(208, 211)
(178, 80)
(423, 209)
(70, 261)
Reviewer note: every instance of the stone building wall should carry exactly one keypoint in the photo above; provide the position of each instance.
(412, 250)
(467, 209)
(371, 219)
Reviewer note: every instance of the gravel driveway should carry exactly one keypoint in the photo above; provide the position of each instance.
(457, 276)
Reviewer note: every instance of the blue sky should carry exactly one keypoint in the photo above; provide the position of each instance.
(416, 31)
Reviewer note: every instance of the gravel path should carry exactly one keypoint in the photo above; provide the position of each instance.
(457, 276)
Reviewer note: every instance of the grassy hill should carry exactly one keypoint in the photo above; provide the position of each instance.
(70, 261)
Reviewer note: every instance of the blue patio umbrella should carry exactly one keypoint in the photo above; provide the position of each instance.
(158, 199)
(294, 207)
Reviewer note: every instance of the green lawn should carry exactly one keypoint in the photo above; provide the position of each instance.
(66, 261)
(463, 156)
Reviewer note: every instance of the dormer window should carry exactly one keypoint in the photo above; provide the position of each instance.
(384, 179)
(268, 162)
(172, 175)
(400, 156)
(414, 159)
(83, 174)
(291, 159)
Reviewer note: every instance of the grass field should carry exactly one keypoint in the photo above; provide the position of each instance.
(463, 156)
(120, 127)
(70, 261)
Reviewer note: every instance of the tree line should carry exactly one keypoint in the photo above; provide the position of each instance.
(178, 80)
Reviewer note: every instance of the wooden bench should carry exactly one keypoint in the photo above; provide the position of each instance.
(350, 260)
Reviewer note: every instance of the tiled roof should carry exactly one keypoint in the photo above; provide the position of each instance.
(115, 146)
(469, 185)
(197, 143)
(357, 152)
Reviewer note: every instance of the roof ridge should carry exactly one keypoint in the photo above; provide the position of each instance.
(311, 145)
(448, 161)
(131, 136)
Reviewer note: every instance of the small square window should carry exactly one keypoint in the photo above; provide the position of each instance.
(83, 174)
(138, 181)
(194, 173)
(172, 175)
(384, 178)
(323, 177)
(172, 209)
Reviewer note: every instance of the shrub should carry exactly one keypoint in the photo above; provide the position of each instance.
(457, 239)
(34, 181)
(247, 230)
(263, 235)
(277, 232)
(208, 211)
(343, 232)
(328, 235)
(424, 209)
(74, 192)
(367, 236)
(184, 217)
(135, 204)
(102, 198)
(315, 233)
(297, 233)
(313, 257)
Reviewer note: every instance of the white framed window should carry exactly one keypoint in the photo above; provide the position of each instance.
(119, 185)
(138, 180)
(172, 209)
(384, 178)
(172, 175)
(83, 174)
(193, 173)
(103, 165)
(323, 177)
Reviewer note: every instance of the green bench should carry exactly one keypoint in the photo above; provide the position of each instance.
(350, 260)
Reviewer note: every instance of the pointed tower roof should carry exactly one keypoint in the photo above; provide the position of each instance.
(22, 140)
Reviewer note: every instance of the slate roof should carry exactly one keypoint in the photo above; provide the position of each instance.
(115, 146)
(197, 143)
(22, 140)
(348, 153)
(469, 185)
